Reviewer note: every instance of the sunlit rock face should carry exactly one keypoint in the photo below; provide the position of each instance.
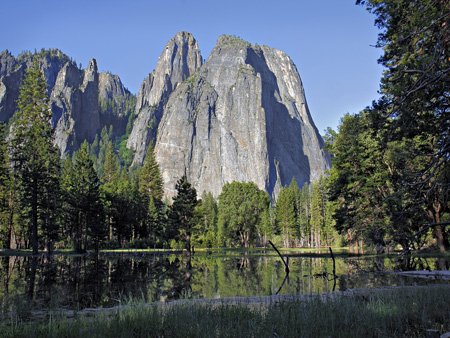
(242, 116)
(180, 59)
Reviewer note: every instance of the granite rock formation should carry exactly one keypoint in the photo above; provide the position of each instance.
(241, 116)
(82, 101)
(180, 59)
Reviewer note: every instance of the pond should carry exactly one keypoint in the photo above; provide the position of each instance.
(76, 282)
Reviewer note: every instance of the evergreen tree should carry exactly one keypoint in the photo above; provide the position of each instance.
(151, 191)
(35, 159)
(285, 215)
(82, 190)
(125, 206)
(111, 165)
(317, 211)
(304, 216)
(150, 181)
(182, 210)
(5, 192)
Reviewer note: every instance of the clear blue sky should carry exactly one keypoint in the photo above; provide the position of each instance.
(329, 40)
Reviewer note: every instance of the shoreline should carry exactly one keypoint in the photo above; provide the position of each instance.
(261, 302)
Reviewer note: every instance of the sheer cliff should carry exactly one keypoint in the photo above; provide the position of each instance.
(241, 116)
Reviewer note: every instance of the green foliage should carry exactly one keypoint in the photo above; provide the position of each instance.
(390, 172)
(83, 207)
(5, 191)
(241, 208)
(150, 181)
(286, 215)
(183, 209)
(206, 221)
(35, 159)
(397, 313)
(111, 166)
(304, 217)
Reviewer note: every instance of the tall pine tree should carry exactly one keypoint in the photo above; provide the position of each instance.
(35, 159)
(182, 210)
(5, 190)
(82, 190)
(150, 181)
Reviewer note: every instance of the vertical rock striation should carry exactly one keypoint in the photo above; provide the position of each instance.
(180, 59)
(82, 101)
(243, 116)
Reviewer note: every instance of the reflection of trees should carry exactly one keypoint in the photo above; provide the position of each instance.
(31, 276)
(84, 281)
(6, 275)
(407, 262)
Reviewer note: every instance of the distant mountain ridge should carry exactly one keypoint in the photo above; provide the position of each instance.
(82, 101)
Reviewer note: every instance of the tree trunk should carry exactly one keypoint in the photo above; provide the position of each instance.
(439, 233)
(34, 218)
(188, 243)
(9, 234)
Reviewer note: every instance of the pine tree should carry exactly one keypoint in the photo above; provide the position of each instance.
(111, 165)
(285, 215)
(151, 190)
(82, 190)
(304, 215)
(35, 159)
(5, 191)
(182, 210)
(150, 181)
(318, 209)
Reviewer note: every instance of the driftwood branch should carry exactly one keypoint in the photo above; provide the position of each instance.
(286, 269)
(334, 262)
(334, 268)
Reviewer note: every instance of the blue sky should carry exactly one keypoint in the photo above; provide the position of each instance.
(329, 40)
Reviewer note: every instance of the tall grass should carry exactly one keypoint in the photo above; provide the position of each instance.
(405, 312)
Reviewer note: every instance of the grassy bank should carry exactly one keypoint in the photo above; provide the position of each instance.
(404, 312)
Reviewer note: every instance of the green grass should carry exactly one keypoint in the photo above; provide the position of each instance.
(405, 312)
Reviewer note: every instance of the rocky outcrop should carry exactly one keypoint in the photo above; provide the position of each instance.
(82, 101)
(11, 73)
(180, 59)
(116, 103)
(74, 102)
(243, 116)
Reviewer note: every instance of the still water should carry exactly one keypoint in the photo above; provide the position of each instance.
(77, 282)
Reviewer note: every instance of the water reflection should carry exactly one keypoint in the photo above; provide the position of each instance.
(90, 281)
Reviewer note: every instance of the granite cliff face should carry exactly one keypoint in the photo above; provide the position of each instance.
(179, 60)
(82, 101)
(242, 116)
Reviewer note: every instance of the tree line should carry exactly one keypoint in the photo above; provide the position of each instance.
(92, 199)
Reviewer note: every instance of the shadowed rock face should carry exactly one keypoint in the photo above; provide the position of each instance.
(242, 116)
(74, 102)
(180, 59)
(74, 96)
